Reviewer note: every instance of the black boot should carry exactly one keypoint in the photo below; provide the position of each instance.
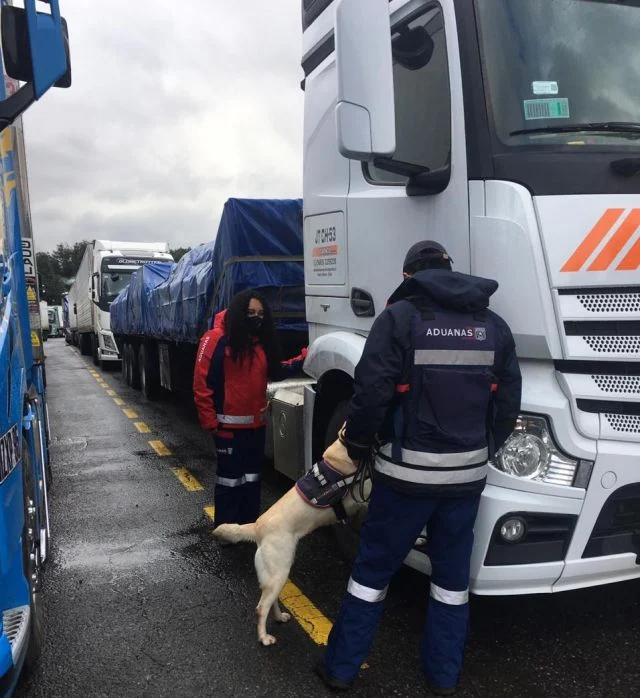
(329, 681)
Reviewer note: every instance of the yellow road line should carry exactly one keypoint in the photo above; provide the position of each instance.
(312, 620)
(160, 448)
(112, 393)
(132, 414)
(142, 427)
(210, 511)
(187, 479)
(102, 383)
(118, 401)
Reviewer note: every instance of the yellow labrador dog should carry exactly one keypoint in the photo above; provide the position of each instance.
(278, 531)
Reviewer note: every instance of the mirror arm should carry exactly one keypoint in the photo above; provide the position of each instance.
(12, 107)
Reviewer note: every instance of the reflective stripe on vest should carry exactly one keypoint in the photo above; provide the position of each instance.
(455, 357)
(439, 460)
(237, 481)
(366, 593)
(452, 598)
(235, 419)
(431, 477)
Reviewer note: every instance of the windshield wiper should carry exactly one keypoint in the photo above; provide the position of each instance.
(629, 128)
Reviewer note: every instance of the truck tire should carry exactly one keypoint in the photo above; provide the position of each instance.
(85, 344)
(149, 371)
(124, 364)
(134, 369)
(94, 350)
(31, 564)
(346, 536)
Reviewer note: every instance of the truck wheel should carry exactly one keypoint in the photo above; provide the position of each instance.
(31, 563)
(94, 350)
(85, 344)
(134, 368)
(149, 372)
(124, 362)
(346, 536)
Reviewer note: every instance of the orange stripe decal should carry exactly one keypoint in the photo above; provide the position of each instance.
(631, 261)
(593, 239)
(621, 237)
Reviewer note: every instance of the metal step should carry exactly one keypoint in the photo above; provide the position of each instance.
(15, 623)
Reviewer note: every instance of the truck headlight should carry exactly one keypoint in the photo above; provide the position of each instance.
(531, 453)
(109, 342)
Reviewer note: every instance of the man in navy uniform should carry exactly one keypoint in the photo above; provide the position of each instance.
(438, 388)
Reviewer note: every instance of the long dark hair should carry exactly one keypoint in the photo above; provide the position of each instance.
(236, 330)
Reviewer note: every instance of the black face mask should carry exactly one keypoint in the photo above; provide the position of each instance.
(254, 324)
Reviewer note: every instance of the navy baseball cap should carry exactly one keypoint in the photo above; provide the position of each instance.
(429, 251)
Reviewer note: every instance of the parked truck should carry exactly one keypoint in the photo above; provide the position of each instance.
(44, 319)
(54, 313)
(494, 127)
(159, 318)
(35, 56)
(105, 269)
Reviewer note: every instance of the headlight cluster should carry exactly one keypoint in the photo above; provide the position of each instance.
(530, 453)
(109, 342)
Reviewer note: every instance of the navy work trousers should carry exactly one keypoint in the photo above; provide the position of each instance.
(240, 455)
(393, 523)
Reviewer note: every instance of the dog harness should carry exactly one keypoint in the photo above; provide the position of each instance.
(323, 486)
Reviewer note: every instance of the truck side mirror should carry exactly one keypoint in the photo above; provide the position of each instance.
(35, 46)
(365, 111)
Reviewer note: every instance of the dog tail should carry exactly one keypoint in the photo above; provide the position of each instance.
(236, 533)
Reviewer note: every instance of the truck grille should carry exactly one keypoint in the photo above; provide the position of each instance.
(601, 345)
(613, 344)
(621, 385)
(623, 302)
(624, 423)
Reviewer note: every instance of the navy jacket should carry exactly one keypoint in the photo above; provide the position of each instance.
(438, 384)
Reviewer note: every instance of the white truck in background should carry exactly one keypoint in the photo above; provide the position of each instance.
(44, 319)
(55, 321)
(494, 127)
(105, 269)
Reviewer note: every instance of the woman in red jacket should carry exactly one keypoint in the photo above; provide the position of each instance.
(234, 362)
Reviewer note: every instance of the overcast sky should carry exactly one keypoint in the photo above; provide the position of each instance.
(174, 107)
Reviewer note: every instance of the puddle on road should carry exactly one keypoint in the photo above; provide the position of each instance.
(78, 443)
(124, 555)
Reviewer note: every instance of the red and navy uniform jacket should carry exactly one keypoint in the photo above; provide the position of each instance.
(232, 394)
(439, 383)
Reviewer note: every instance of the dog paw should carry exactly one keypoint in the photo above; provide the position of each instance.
(284, 618)
(268, 640)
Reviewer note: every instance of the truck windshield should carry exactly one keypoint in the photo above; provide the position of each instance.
(116, 274)
(114, 281)
(563, 73)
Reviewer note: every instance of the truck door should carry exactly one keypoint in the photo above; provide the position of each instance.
(422, 191)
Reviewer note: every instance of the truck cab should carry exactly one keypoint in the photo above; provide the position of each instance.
(508, 132)
(105, 270)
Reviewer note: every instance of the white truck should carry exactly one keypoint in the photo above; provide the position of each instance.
(105, 269)
(496, 128)
(44, 319)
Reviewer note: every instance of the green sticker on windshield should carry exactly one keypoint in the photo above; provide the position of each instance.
(555, 108)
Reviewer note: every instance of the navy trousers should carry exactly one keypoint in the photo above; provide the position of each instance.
(393, 523)
(240, 454)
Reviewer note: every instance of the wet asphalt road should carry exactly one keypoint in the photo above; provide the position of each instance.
(140, 601)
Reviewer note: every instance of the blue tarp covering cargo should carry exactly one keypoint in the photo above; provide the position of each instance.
(130, 311)
(258, 245)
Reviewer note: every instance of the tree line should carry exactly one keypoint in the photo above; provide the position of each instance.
(57, 269)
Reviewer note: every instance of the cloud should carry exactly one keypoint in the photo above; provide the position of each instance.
(174, 108)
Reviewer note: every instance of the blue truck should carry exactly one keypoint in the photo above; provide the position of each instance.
(35, 52)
